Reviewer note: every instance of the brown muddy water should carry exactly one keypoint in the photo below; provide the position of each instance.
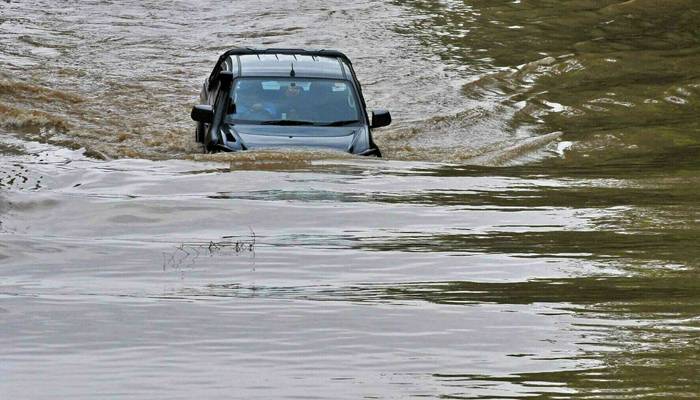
(532, 231)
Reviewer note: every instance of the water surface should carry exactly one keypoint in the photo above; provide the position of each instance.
(531, 233)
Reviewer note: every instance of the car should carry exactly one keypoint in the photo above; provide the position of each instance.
(283, 98)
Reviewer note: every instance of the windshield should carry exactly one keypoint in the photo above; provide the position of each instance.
(290, 101)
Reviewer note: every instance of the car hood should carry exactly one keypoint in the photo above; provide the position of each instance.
(266, 136)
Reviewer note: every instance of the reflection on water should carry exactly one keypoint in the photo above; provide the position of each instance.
(457, 282)
(532, 233)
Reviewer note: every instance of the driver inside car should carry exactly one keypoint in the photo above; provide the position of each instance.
(294, 104)
(250, 105)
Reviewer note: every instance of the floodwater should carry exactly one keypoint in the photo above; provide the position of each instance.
(532, 232)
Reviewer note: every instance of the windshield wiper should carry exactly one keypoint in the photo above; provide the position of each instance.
(340, 123)
(286, 122)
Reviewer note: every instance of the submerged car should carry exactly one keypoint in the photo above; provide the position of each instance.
(272, 98)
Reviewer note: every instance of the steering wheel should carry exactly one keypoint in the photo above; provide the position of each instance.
(261, 112)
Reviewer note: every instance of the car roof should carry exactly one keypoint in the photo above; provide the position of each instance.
(298, 63)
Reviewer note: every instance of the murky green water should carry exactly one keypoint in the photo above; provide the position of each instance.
(532, 233)
(618, 78)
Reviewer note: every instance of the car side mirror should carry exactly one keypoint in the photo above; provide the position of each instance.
(380, 118)
(203, 113)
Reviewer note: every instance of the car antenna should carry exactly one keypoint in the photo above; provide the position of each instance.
(292, 73)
